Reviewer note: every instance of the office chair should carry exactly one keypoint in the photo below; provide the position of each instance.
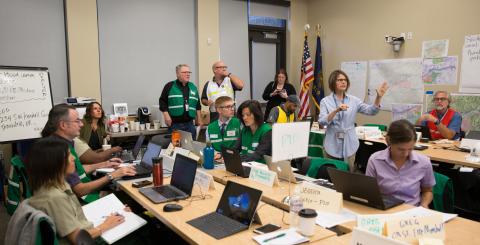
(84, 238)
(365, 150)
(162, 139)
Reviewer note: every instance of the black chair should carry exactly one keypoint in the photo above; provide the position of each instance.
(83, 238)
(467, 194)
(323, 173)
(162, 139)
(365, 150)
(305, 166)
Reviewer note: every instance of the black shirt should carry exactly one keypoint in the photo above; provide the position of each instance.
(163, 101)
(94, 142)
(275, 100)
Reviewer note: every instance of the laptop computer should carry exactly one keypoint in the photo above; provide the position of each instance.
(187, 140)
(472, 134)
(233, 163)
(234, 213)
(128, 158)
(181, 184)
(144, 169)
(362, 189)
(283, 169)
(424, 130)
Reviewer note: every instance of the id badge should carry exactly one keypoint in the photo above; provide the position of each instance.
(340, 135)
(186, 107)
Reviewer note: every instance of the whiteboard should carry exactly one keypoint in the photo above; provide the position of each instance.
(290, 140)
(25, 100)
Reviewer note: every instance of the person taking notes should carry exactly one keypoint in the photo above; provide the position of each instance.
(400, 171)
(338, 112)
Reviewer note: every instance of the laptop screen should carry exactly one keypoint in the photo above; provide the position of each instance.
(239, 202)
(137, 146)
(183, 174)
(153, 150)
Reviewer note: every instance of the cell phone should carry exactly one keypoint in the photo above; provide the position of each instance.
(139, 184)
(266, 229)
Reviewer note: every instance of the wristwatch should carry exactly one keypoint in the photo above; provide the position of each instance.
(109, 176)
(437, 122)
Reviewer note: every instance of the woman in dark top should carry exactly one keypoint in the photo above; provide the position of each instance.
(277, 91)
(93, 131)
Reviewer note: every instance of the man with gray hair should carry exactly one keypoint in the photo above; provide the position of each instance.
(443, 122)
(180, 103)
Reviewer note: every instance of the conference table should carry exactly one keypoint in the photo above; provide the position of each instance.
(458, 230)
(197, 206)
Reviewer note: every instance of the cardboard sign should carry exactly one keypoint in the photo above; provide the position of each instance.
(263, 176)
(372, 223)
(320, 198)
(204, 181)
(362, 237)
(410, 229)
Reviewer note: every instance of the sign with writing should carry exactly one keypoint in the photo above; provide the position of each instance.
(263, 176)
(204, 181)
(25, 101)
(372, 223)
(362, 237)
(290, 140)
(410, 229)
(470, 73)
(320, 198)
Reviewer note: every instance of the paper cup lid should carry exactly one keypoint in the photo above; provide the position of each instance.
(307, 213)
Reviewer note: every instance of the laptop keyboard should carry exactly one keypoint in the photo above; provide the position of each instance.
(166, 191)
(217, 225)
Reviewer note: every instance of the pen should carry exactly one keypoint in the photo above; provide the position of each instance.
(275, 237)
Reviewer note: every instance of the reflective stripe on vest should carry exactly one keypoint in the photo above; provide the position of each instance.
(249, 141)
(176, 103)
(214, 91)
(228, 139)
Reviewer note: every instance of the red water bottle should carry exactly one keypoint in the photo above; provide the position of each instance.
(157, 171)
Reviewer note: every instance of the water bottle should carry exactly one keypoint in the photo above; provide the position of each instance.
(157, 171)
(296, 204)
(208, 153)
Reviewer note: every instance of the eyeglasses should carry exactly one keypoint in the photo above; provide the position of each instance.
(186, 72)
(228, 107)
(440, 99)
(341, 80)
(221, 67)
(74, 121)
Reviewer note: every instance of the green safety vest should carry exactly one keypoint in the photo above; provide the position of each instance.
(229, 137)
(83, 177)
(176, 104)
(18, 188)
(249, 141)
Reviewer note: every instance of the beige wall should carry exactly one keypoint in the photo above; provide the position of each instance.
(83, 56)
(355, 30)
(295, 38)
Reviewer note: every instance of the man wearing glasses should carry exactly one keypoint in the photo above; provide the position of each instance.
(443, 122)
(180, 103)
(223, 83)
(225, 131)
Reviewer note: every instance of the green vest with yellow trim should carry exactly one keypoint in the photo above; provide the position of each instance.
(176, 104)
(282, 116)
(229, 137)
(250, 142)
(83, 177)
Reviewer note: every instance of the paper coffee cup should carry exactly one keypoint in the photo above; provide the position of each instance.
(147, 126)
(106, 147)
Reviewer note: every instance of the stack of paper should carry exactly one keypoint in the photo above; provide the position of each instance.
(328, 219)
(282, 237)
(97, 211)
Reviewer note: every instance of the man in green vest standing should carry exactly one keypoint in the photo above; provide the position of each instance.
(225, 131)
(180, 102)
(64, 124)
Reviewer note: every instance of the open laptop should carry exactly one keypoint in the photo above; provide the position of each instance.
(144, 169)
(283, 169)
(233, 163)
(187, 140)
(362, 189)
(181, 184)
(234, 213)
(424, 130)
(128, 158)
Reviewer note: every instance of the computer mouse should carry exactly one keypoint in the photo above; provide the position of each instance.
(172, 207)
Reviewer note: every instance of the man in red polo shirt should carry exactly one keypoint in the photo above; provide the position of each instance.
(443, 122)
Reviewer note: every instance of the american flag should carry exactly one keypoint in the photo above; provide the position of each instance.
(306, 78)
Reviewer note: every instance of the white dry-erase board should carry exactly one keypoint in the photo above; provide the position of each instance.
(25, 100)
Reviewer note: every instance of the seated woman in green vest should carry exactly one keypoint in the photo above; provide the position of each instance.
(224, 131)
(285, 112)
(256, 136)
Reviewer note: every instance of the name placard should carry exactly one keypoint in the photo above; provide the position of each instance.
(263, 176)
(320, 198)
(410, 229)
(362, 237)
(372, 223)
(204, 180)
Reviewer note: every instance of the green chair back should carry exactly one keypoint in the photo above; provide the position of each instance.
(317, 162)
(443, 195)
(379, 126)
(17, 188)
(315, 144)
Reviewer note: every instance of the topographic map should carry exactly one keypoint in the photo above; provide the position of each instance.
(440, 71)
(411, 112)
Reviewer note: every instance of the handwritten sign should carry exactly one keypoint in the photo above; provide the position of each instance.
(470, 73)
(362, 237)
(320, 198)
(372, 223)
(290, 140)
(429, 241)
(204, 181)
(410, 229)
(263, 176)
(25, 101)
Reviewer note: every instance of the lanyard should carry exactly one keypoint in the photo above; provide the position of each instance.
(340, 116)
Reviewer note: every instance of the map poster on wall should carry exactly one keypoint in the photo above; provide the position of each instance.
(470, 74)
(468, 105)
(440, 71)
(404, 78)
(410, 112)
(435, 48)
(357, 74)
